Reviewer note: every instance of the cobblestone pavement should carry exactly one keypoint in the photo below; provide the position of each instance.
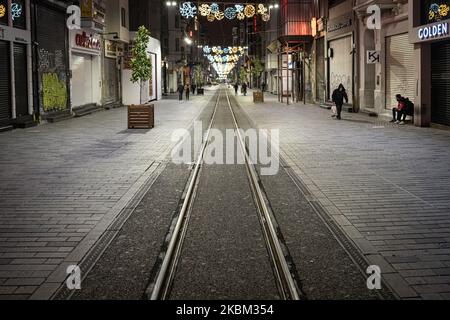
(63, 184)
(386, 186)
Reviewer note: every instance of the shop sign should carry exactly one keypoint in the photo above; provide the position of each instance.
(110, 49)
(86, 8)
(433, 31)
(86, 41)
(373, 56)
(339, 23)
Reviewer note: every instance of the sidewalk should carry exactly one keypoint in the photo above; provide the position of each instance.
(386, 186)
(63, 184)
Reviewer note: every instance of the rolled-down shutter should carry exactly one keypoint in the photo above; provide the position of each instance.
(399, 69)
(5, 85)
(20, 79)
(52, 58)
(341, 65)
(440, 83)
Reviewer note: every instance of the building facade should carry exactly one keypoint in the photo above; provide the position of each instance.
(16, 90)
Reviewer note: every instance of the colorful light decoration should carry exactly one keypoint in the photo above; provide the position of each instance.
(213, 11)
(188, 10)
(230, 13)
(214, 7)
(2, 11)
(219, 15)
(249, 11)
(16, 10)
(204, 10)
(438, 12)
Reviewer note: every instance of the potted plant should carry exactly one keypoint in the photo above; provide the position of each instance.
(257, 69)
(141, 116)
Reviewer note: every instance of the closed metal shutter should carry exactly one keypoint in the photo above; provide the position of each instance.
(111, 81)
(320, 71)
(399, 69)
(52, 58)
(81, 80)
(21, 79)
(341, 65)
(5, 85)
(440, 83)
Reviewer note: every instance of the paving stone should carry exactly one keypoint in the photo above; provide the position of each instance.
(402, 211)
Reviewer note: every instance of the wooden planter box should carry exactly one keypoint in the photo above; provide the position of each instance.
(258, 97)
(141, 116)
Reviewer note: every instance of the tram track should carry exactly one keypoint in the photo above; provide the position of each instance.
(160, 288)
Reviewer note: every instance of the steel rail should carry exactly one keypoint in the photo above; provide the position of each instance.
(285, 281)
(161, 288)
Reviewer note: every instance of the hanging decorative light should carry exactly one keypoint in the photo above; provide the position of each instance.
(188, 10)
(249, 11)
(219, 15)
(230, 13)
(211, 18)
(204, 10)
(214, 7)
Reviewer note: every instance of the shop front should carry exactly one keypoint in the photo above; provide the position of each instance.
(51, 64)
(111, 73)
(430, 34)
(16, 107)
(85, 66)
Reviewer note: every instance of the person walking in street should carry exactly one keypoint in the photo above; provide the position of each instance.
(188, 91)
(236, 88)
(180, 91)
(338, 98)
(244, 88)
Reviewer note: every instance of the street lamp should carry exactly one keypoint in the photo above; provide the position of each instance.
(171, 3)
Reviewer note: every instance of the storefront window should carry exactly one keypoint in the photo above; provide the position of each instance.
(435, 10)
(4, 12)
(18, 14)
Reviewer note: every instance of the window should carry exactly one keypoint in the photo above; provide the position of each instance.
(4, 12)
(177, 44)
(123, 17)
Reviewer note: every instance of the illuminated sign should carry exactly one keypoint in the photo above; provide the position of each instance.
(433, 31)
(87, 41)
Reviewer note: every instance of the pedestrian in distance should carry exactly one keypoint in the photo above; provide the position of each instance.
(180, 91)
(236, 88)
(338, 97)
(188, 91)
(244, 89)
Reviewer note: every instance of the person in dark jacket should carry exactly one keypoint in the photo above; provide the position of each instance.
(180, 91)
(400, 110)
(244, 88)
(236, 88)
(338, 98)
